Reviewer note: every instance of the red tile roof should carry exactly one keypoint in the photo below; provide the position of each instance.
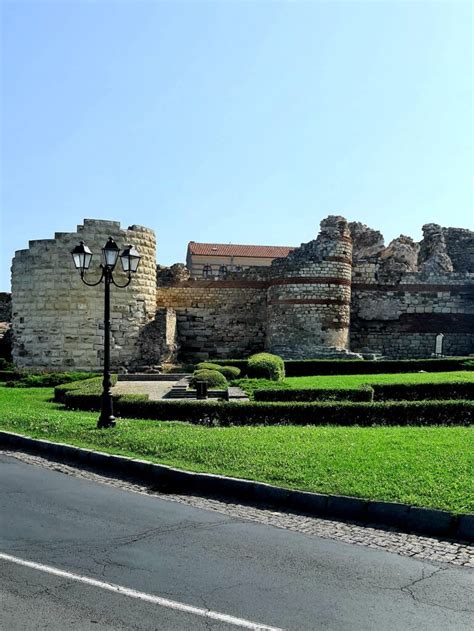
(234, 249)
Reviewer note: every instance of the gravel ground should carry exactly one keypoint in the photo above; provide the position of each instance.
(416, 546)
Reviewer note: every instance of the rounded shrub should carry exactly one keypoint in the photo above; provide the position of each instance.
(229, 372)
(266, 366)
(214, 378)
(207, 366)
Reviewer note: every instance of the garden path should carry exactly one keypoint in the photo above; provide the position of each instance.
(155, 390)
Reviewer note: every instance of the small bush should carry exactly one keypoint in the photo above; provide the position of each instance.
(237, 363)
(214, 378)
(266, 366)
(6, 365)
(207, 366)
(229, 372)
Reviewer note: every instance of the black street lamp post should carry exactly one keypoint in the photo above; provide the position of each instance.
(130, 259)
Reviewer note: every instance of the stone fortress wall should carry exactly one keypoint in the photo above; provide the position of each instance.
(57, 321)
(343, 293)
(405, 294)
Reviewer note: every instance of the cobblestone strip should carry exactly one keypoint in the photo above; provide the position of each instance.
(416, 546)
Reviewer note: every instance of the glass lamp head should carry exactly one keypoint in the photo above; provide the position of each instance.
(130, 259)
(110, 253)
(82, 257)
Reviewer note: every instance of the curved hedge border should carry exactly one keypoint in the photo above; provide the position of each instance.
(87, 387)
(85, 395)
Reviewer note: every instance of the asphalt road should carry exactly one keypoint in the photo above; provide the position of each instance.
(204, 559)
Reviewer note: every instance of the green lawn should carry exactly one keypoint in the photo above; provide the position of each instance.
(424, 466)
(354, 381)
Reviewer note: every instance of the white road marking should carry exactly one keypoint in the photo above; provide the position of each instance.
(132, 593)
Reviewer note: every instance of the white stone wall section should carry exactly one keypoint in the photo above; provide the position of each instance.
(57, 321)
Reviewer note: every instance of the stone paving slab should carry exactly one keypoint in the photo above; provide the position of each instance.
(416, 546)
(155, 390)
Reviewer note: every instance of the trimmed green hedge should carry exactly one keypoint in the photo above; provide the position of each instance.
(10, 375)
(88, 388)
(85, 395)
(313, 367)
(320, 413)
(310, 367)
(364, 393)
(48, 380)
(375, 392)
(266, 366)
(420, 391)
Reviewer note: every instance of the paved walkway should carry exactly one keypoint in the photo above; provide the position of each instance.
(154, 389)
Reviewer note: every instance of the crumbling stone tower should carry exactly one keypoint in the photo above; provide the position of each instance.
(57, 321)
(309, 296)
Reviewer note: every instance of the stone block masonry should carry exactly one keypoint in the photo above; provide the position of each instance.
(309, 296)
(341, 295)
(403, 319)
(297, 307)
(5, 307)
(217, 318)
(57, 321)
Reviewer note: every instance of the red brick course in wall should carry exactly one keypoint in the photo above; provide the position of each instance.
(421, 288)
(258, 284)
(314, 301)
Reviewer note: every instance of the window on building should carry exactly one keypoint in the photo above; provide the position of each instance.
(207, 271)
(222, 271)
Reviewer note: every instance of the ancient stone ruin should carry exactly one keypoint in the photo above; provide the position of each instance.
(341, 295)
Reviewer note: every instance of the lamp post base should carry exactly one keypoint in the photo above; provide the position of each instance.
(104, 422)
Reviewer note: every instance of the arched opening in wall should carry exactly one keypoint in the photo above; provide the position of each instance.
(207, 271)
(222, 271)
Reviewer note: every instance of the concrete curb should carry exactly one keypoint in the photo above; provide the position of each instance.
(402, 516)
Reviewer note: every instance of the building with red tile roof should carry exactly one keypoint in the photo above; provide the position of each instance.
(215, 259)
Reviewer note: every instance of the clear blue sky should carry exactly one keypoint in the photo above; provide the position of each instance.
(234, 121)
